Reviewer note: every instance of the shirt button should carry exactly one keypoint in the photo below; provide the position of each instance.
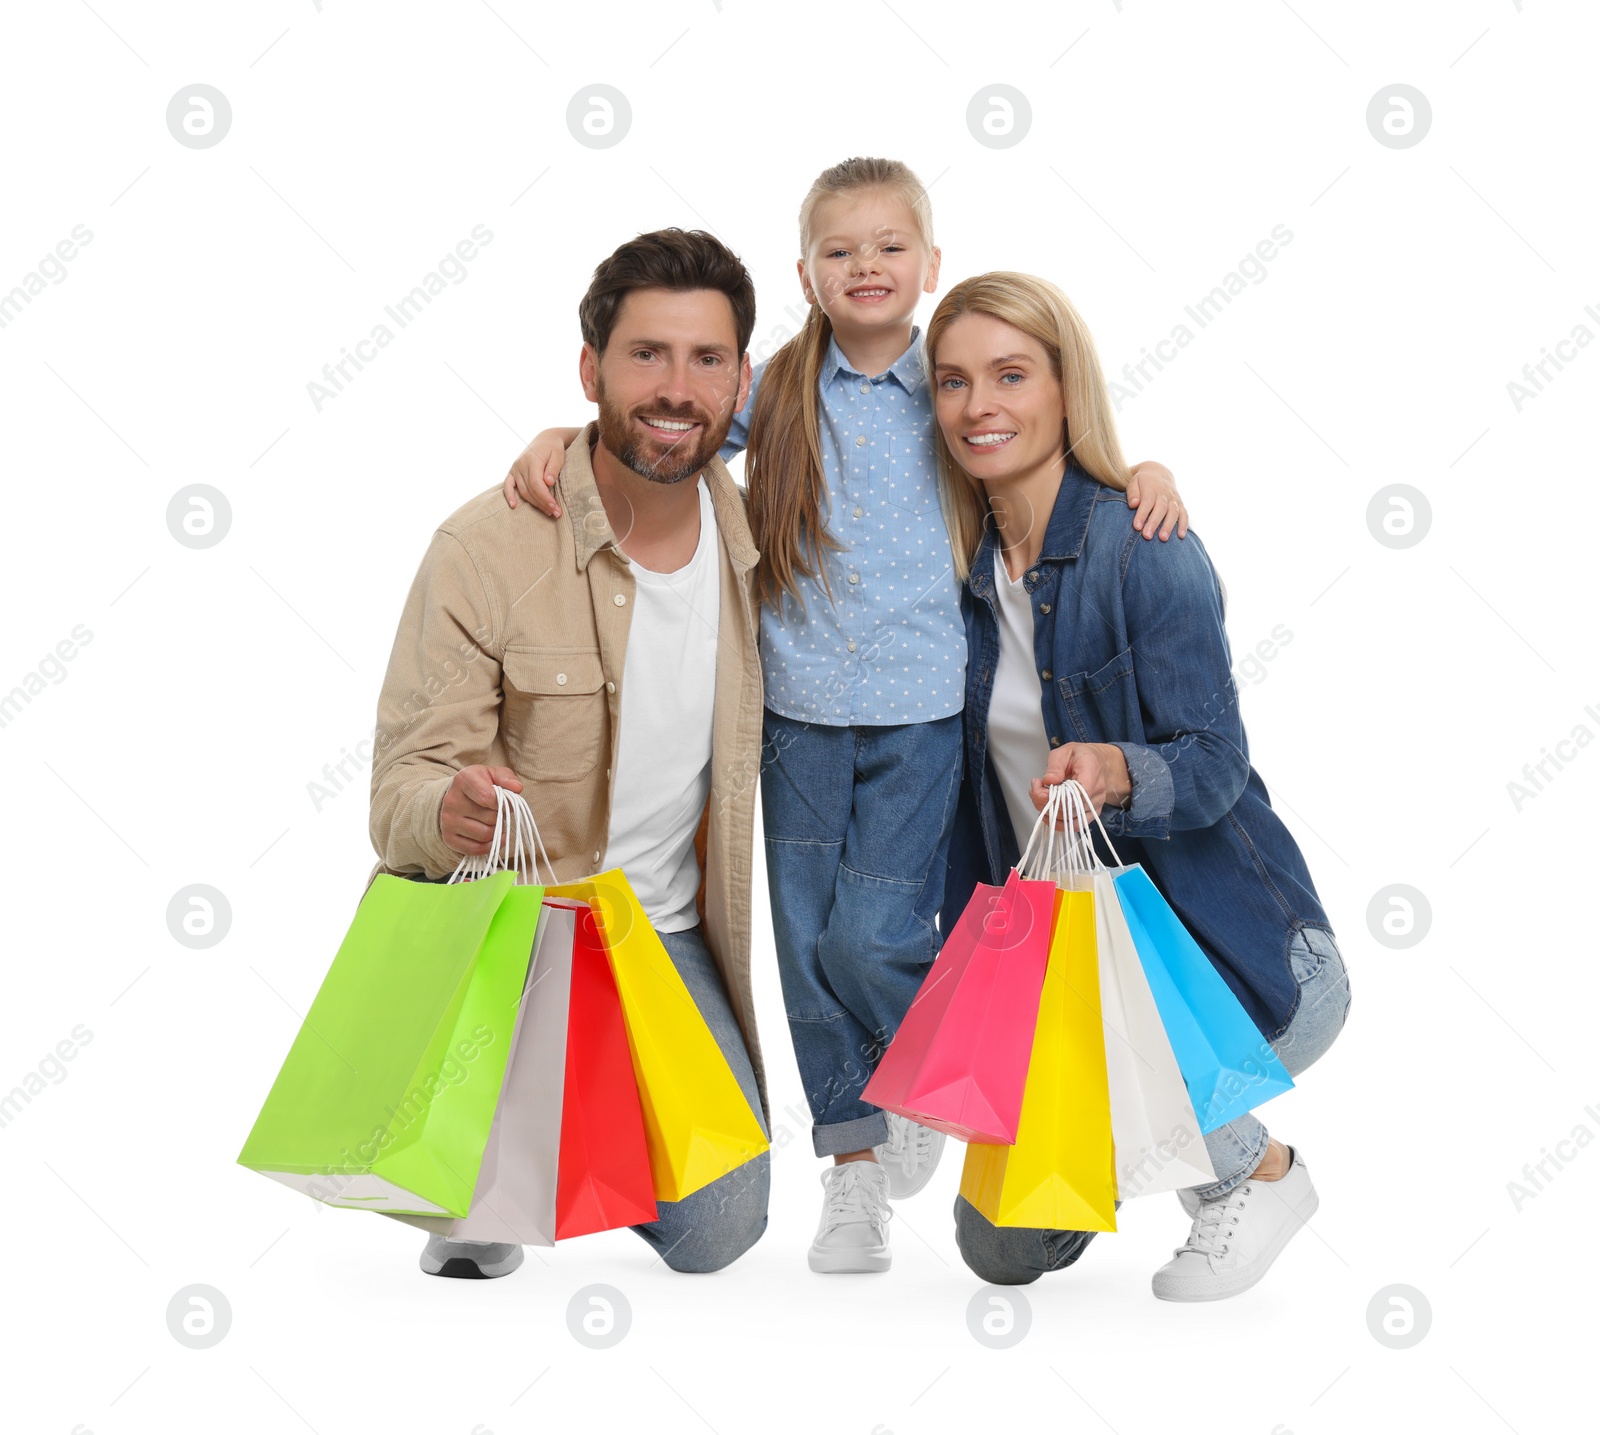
(597, 858)
(1054, 740)
(851, 645)
(561, 679)
(1045, 675)
(866, 388)
(619, 600)
(861, 438)
(855, 577)
(611, 688)
(1033, 577)
(858, 513)
(1044, 607)
(608, 772)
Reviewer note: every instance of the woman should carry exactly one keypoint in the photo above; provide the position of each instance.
(1097, 657)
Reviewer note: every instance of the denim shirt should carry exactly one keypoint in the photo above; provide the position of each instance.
(1130, 649)
(888, 647)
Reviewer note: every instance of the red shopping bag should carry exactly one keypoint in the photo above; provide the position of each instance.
(960, 1059)
(603, 1179)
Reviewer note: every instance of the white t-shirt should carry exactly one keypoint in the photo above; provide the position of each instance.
(669, 684)
(1018, 744)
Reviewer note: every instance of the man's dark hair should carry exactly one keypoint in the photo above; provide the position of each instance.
(678, 259)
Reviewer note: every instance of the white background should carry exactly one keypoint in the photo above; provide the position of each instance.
(176, 748)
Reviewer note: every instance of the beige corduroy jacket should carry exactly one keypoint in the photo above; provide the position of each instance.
(510, 653)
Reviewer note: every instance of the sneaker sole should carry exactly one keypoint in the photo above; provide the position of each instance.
(462, 1268)
(1262, 1264)
(848, 1263)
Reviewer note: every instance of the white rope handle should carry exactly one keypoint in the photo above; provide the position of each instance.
(1028, 863)
(1069, 850)
(1085, 819)
(515, 844)
(1060, 835)
(1074, 858)
(1046, 850)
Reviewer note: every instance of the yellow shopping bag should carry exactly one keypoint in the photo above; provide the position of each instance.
(1061, 1173)
(698, 1125)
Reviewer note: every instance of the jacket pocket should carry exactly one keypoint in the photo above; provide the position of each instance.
(554, 721)
(1103, 705)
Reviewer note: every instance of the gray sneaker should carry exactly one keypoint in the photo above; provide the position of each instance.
(910, 1156)
(469, 1260)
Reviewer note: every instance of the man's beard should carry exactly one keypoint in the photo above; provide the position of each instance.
(651, 459)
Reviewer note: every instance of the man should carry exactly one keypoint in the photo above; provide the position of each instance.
(612, 677)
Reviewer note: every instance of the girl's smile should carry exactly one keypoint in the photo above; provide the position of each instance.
(867, 264)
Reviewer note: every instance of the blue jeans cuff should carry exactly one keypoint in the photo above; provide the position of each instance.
(838, 1137)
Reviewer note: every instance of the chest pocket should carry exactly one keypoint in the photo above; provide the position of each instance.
(908, 479)
(1103, 705)
(554, 721)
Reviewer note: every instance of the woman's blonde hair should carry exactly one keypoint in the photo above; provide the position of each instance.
(784, 479)
(1089, 431)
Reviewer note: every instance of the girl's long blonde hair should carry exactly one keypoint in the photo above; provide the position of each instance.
(784, 478)
(1089, 431)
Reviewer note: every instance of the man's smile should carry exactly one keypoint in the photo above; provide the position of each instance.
(668, 430)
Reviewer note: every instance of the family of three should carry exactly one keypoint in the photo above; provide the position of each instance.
(927, 606)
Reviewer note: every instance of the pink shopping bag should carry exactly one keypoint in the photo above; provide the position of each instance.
(959, 1061)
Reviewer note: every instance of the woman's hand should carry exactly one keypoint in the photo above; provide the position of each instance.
(1153, 492)
(1101, 769)
(536, 470)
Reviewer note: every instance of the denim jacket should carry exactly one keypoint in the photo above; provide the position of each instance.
(1130, 649)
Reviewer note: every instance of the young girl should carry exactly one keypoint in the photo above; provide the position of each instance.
(864, 659)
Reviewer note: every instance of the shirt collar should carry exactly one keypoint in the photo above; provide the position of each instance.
(1064, 537)
(591, 529)
(907, 370)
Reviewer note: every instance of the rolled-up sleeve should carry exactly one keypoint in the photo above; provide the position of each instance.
(1193, 765)
(438, 711)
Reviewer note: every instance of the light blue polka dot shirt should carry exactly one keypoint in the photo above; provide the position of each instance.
(890, 647)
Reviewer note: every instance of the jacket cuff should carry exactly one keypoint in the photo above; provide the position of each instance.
(438, 858)
(1149, 809)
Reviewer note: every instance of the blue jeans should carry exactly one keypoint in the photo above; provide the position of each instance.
(1016, 1255)
(717, 1224)
(858, 825)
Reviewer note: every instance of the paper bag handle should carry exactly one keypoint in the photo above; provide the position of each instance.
(515, 846)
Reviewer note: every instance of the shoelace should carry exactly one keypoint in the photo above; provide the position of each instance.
(850, 1192)
(1212, 1222)
(914, 1146)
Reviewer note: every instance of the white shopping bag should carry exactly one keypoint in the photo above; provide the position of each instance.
(1153, 1127)
(1154, 1131)
(515, 1198)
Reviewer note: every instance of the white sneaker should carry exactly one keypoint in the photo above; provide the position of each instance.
(910, 1155)
(853, 1235)
(469, 1260)
(1236, 1237)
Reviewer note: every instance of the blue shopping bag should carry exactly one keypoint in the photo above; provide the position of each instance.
(1227, 1065)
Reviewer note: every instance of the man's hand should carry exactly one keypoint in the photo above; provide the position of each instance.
(466, 818)
(1154, 494)
(1099, 767)
(536, 470)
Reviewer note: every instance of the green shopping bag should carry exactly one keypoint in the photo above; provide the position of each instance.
(387, 1095)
